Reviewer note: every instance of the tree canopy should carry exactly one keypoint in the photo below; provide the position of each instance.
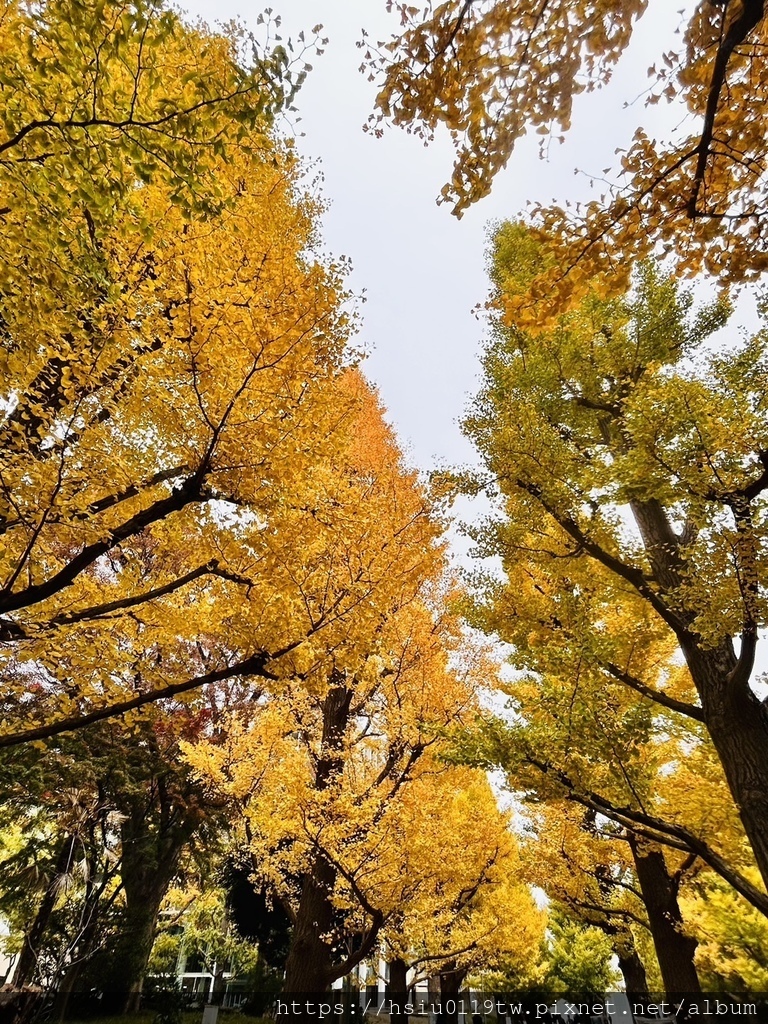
(244, 694)
(624, 457)
(168, 361)
(490, 72)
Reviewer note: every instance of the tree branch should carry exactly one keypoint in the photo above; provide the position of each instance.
(133, 490)
(189, 492)
(631, 574)
(657, 696)
(452, 955)
(659, 830)
(466, 895)
(376, 916)
(96, 611)
(748, 578)
(750, 15)
(594, 908)
(254, 665)
(121, 125)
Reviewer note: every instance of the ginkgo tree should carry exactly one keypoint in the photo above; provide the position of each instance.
(631, 814)
(175, 392)
(490, 72)
(164, 371)
(123, 512)
(629, 465)
(328, 769)
(586, 870)
(101, 99)
(187, 389)
(466, 908)
(644, 896)
(595, 748)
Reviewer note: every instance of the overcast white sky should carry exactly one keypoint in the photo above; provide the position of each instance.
(421, 268)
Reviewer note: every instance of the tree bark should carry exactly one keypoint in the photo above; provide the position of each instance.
(134, 946)
(674, 949)
(736, 720)
(631, 966)
(219, 985)
(309, 967)
(153, 834)
(397, 990)
(451, 980)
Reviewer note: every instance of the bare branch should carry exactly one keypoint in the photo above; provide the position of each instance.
(254, 665)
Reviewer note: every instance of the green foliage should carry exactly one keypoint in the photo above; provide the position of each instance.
(196, 925)
(577, 959)
(733, 938)
(168, 1002)
(626, 462)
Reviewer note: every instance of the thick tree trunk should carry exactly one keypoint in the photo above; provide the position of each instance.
(738, 725)
(674, 949)
(632, 967)
(309, 968)
(134, 946)
(26, 966)
(219, 986)
(219, 983)
(397, 990)
(451, 980)
(736, 720)
(152, 841)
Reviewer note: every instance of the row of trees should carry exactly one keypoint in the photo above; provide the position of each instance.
(226, 611)
(226, 617)
(627, 461)
(614, 443)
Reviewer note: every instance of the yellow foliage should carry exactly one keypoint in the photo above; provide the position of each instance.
(490, 72)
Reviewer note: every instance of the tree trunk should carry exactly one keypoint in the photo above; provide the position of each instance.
(397, 990)
(219, 985)
(153, 837)
(134, 946)
(674, 949)
(631, 966)
(736, 720)
(451, 979)
(309, 967)
(738, 725)
(30, 951)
